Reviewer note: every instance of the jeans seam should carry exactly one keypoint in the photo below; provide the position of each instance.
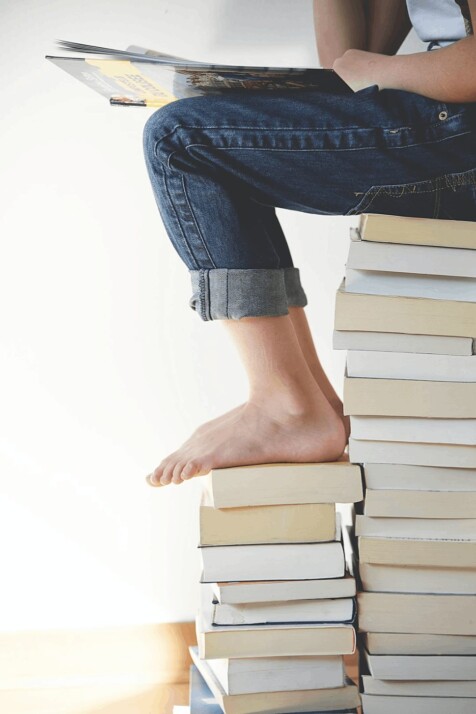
(189, 249)
(199, 232)
(356, 148)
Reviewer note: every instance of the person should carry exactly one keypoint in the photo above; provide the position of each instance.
(403, 143)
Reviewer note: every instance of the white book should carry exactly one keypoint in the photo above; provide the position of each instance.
(442, 688)
(421, 667)
(278, 590)
(373, 704)
(373, 282)
(399, 258)
(404, 365)
(405, 579)
(391, 643)
(420, 454)
(400, 342)
(278, 674)
(284, 561)
(310, 700)
(419, 478)
(320, 611)
(414, 429)
(414, 528)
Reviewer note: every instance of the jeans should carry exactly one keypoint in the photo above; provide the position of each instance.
(220, 165)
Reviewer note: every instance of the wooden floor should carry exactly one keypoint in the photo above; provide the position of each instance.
(126, 670)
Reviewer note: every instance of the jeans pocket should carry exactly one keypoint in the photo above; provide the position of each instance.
(418, 199)
(458, 197)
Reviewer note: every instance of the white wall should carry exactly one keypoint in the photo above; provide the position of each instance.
(104, 369)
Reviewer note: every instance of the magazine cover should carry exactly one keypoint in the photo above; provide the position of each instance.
(141, 77)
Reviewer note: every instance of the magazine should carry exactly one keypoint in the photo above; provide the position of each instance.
(141, 77)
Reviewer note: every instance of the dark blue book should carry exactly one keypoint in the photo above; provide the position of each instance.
(202, 700)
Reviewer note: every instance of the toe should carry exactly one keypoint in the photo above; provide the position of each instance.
(177, 471)
(190, 469)
(167, 473)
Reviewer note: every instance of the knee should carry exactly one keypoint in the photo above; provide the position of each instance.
(163, 129)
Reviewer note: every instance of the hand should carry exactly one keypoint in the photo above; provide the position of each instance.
(360, 69)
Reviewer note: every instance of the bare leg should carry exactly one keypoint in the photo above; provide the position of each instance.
(287, 417)
(306, 342)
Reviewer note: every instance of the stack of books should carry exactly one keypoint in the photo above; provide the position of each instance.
(406, 313)
(277, 591)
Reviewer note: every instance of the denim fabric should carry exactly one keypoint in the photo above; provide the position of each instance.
(220, 165)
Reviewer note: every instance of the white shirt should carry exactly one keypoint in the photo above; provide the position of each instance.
(441, 22)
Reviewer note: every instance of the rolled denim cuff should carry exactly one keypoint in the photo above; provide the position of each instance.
(233, 293)
(294, 290)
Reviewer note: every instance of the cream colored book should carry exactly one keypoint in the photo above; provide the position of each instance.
(310, 700)
(294, 523)
(410, 613)
(422, 553)
(233, 593)
(405, 579)
(409, 398)
(413, 315)
(216, 641)
(384, 228)
(414, 528)
(418, 667)
(437, 287)
(285, 483)
(420, 504)
(375, 704)
(425, 688)
(391, 643)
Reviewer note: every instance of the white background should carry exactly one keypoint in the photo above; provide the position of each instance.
(104, 368)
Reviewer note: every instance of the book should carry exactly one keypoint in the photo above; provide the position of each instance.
(414, 429)
(400, 342)
(414, 528)
(418, 454)
(405, 579)
(285, 483)
(233, 593)
(403, 365)
(316, 611)
(281, 702)
(283, 561)
(178, 709)
(293, 523)
(389, 643)
(409, 477)
(421, 667)
(412, 315)
(420, 504)
(421, 553)
(409, 398)
(416, 259)
(372, 282)
(141, 77)
(411, 613)
(278, 674)
(415, 231)
(374, 704)
(428, 688)
(218, 642)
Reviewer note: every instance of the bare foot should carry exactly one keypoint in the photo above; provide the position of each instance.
(256, 433)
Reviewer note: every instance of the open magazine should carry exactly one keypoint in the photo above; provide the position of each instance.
(141, 77)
